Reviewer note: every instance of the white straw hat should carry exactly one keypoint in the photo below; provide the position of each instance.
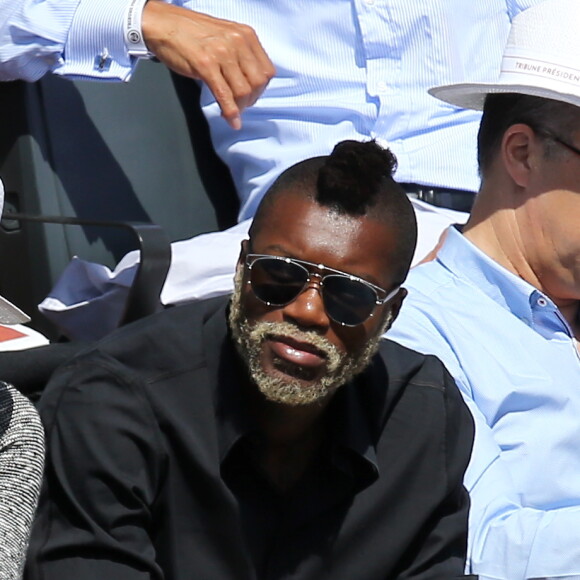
(9, 314)
(541, 58)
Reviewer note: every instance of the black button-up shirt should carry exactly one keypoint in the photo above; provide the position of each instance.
(151, 471)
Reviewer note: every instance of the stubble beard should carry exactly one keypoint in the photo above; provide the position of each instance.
(282, 387)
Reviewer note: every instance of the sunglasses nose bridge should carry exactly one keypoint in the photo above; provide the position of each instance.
(308, 307)
(313, 282)
(314, 278)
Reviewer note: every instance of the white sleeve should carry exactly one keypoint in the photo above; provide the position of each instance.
(95, 45)
(32, 36)
(73, 38)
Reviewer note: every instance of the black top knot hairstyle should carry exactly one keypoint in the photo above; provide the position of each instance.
(353, 175)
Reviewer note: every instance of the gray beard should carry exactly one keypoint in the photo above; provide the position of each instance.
(283, 388)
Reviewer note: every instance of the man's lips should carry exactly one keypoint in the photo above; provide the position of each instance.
(296, 352)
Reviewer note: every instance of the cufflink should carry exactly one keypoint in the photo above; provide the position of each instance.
(103, 61)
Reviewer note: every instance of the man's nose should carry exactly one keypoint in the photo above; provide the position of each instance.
(307, 309)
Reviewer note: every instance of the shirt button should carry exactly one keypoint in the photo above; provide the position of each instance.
(369, 2)
(542, 302)
(382, 86)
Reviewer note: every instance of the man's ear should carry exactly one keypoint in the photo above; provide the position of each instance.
(244, 249)
(519, 147)
(396, 303)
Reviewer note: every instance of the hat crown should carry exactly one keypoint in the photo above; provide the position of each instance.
(541, 58)
(548, 32)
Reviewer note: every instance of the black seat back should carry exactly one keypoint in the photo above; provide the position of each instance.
(137, 151)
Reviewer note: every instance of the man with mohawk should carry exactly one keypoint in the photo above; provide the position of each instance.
(270, 435)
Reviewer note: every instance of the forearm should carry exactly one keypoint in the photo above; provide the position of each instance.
(67, 37)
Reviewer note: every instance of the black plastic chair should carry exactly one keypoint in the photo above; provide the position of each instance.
(29, 370)
(155, 257)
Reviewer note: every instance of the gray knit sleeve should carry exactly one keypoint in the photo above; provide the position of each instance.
(21, 465)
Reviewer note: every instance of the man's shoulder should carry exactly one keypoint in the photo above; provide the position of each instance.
(453, 310)
(435, 312)
(174, 339)
(405, 366)
(432, 279)
(399, 375)
(151, 361)
(420, 387)
(174, 325)
(451, 281)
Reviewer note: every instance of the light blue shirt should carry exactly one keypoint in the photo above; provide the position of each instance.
(346, 69)
(517, 366)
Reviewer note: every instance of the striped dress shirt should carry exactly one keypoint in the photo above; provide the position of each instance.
(346, 69)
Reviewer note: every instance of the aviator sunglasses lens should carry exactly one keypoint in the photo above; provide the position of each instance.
(347, 301)
(277, 282)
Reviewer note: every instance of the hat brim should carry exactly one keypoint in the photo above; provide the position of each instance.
(10, 314)
(472, 95)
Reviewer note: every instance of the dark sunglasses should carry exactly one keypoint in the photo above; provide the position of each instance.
(348, 300)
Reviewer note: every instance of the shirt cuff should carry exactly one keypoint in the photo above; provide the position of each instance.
(95, 46)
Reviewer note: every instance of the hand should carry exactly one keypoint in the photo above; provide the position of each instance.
(227, 56)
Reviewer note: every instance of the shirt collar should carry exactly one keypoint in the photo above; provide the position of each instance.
(354, 428)
(511, 292)
(224, 371)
